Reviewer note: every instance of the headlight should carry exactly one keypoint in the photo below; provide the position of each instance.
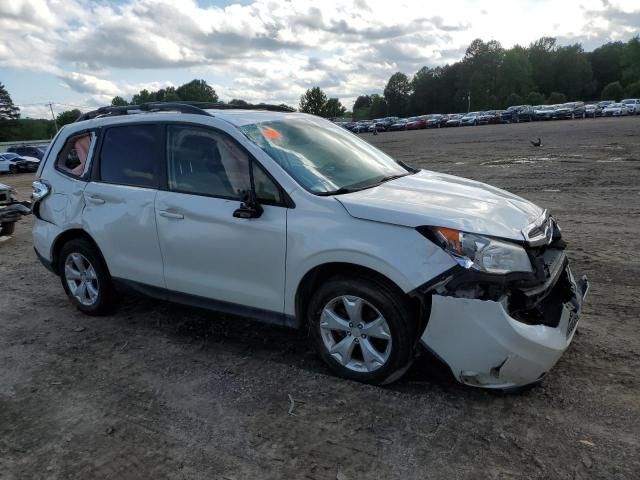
(482, 253)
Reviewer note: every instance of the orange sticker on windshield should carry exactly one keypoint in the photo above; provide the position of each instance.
(271, 134)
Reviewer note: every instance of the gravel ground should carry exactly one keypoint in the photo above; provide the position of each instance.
(163, 391)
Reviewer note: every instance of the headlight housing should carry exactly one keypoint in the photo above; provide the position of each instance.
(481, 253)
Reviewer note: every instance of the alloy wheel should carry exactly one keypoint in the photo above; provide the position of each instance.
(355, 333)
(81, 279)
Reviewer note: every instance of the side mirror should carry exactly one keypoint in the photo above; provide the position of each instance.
(249, 208)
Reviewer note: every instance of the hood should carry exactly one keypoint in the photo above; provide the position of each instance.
(435, 199)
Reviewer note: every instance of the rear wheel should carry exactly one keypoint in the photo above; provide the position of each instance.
(363, 329)
(85, 278)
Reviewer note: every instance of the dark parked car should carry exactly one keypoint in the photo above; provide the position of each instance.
(36, 151)
(416, 123)
(437, 120)
(569, 110)
(361, 127)
(513, 114)
(591, 110)
(489, 117)
(454, 120)
(400, 124)
(543, 112)
(386, 123)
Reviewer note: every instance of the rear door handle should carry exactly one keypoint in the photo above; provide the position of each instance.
(96, 200)
(174, 215)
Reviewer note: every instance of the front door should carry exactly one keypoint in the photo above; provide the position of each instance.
(207, 251)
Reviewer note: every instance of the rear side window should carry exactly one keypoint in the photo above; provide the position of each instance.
(131, 155)
(75, 156)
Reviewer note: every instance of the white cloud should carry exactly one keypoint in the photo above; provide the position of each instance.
(270, 50)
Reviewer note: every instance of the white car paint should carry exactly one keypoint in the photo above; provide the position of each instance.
(6, 162)
(260, 263)
(496, 350)
(452, 202)
(616, 110)
(632, 104)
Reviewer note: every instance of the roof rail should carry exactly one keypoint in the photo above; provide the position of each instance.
(246, 106)
(196, 108)
(111, 111)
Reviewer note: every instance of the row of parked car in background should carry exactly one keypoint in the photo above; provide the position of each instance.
(514, 114)
(22, 158)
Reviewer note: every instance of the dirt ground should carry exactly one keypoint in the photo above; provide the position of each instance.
(162, 391)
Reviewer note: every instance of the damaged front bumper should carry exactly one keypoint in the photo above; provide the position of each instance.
(511, 336)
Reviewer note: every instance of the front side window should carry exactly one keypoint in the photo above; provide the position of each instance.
(74, 158)
(202, 161)
(131, 155)
(321, 157)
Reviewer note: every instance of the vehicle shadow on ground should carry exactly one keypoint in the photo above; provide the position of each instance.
(266, 342)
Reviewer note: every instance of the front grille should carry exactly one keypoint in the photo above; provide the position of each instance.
(3, 197)
(573, 323)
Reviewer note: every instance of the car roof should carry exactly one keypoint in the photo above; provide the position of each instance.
(237, 117)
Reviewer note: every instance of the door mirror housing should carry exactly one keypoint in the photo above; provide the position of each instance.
(249, 208)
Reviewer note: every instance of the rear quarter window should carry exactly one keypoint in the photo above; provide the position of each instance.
(131, 155)
(75, 157)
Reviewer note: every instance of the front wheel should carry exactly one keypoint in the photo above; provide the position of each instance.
(363, 329)
(13, 169)
(85, 278)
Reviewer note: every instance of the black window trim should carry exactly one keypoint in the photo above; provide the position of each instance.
(159, 174)
(286, 200)
(162, 183)
(91, 158)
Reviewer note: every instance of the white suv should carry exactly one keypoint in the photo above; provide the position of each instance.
(632, 104)
(289, 219)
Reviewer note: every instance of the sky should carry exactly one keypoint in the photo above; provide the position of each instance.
(81, 53)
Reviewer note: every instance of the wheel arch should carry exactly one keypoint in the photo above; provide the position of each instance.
(65, 237)
(324, 271)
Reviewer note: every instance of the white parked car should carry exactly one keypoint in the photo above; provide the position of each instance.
(10, 163)
(615, 110)
(290, 219)
(633, 105)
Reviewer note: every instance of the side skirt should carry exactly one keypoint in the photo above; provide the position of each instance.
(257, 314)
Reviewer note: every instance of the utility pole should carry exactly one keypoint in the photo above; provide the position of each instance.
(468, 101)
(53, 116)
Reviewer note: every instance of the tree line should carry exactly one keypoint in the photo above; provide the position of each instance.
(490, 76)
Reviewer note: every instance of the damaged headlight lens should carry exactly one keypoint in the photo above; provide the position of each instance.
(482, 253)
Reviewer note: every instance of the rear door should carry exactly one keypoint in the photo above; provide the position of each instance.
(207, 251)
(119, 201)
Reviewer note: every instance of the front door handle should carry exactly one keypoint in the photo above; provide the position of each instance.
(95, 199)
(174, 215)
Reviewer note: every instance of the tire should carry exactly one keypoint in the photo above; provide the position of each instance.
(386, 360)
(7, 229)
(83, 258)
(13, 169)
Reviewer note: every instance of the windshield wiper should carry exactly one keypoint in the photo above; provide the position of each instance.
(340, 191)
(343, 190)
(390, 177)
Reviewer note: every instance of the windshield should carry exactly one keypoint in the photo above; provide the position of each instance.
(321, 157)
(10, 156)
